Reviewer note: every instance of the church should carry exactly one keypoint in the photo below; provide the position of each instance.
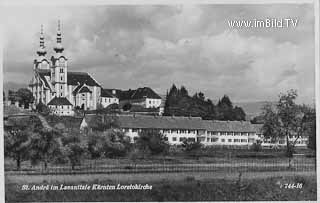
(62, 90)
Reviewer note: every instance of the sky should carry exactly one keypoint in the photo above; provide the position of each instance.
(192, 45)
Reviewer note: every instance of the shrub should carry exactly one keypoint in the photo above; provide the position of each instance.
(191, 145)
(152, 142)
(256, 147)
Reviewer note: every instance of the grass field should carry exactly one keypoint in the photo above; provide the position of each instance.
(169, 187)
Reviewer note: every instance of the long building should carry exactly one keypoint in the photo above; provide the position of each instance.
(208, 132)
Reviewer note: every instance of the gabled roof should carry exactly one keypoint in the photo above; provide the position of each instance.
(59, 101)
(84, 89)
(76, 78)
(107, 93)
(145, 92)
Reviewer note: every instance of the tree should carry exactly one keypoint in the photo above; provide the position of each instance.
(110, 143)
(25, 97)
(95, 145)
(75, 151)
(152, 142)
(17, 145)
(287, 121)
(115, 143)
(42, 108)
(239, 114)
(45, 145)
(73, 148)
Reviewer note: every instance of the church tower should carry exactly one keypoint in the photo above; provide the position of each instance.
(41, 62)
(59, 67)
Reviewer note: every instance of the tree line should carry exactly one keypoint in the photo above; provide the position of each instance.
(180, 103)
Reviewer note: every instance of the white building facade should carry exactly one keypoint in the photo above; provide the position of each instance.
(208, 132)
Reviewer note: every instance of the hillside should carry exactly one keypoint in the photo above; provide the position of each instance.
(252, 109)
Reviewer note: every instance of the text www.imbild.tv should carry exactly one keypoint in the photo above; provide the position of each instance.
(265, 23)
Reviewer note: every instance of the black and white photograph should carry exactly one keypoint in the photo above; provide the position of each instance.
(138, 102)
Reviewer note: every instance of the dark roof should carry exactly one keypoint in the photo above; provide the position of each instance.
(75, 91)
(155, 122)
(60, 101)
(140, 93)
(126, 94)
(42, 73)
(84, 89)
(117, 92)
(229, 126)
(107, 93)
(188, 123)
(258, 128)
(145, 92)
(76, 78)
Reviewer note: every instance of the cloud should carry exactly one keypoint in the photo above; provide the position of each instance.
(191, 45)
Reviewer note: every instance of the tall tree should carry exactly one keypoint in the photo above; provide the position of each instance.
(25, 97)
(287, 121)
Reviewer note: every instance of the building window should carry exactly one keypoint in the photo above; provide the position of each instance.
(208, 139)
(244, 140)
(61, 94)
(174, 139)
(229, 140)
(222, 140)
(61, 78)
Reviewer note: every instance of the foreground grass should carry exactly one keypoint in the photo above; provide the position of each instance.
(187, 189)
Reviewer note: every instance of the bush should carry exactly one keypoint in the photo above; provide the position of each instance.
(152, 142)
(191, 145)
(42, 109)
(256, 147)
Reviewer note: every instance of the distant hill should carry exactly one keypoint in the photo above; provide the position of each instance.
(13, 86)
(252, 109)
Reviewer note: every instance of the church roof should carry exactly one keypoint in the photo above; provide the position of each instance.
(59, 101)
(76, 78)
(84, 89)
(42, 73)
